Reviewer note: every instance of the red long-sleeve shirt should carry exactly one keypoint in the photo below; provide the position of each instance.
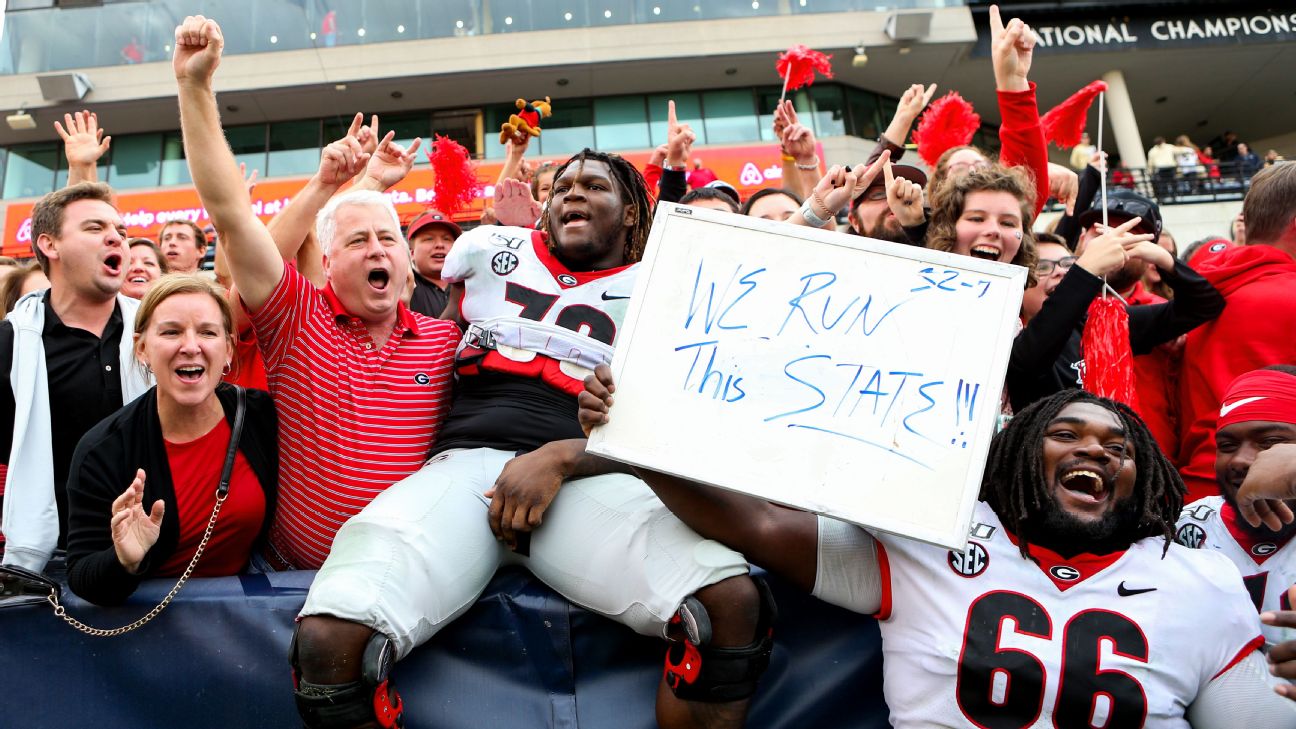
(1022, 139)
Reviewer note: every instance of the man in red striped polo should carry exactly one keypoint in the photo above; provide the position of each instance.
(360, 381)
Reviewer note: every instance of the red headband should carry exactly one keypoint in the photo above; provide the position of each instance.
(1259, 395)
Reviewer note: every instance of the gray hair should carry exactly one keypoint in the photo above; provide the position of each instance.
(326, 219)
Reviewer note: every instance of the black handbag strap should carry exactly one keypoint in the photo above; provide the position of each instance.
(236, 432)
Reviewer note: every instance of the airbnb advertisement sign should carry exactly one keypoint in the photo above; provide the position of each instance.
(746, 168)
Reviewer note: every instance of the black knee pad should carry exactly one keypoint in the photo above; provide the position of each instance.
(347, 705)
(698, 671)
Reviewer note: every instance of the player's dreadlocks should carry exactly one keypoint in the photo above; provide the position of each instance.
(634, 191)
(1016, 487)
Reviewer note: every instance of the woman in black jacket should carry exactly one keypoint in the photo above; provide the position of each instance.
(167, 450)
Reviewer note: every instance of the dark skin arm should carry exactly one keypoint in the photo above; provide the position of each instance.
(781, 540)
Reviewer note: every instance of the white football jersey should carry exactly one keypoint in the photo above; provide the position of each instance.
(528, 314)
(1268, 566)
(987, 638)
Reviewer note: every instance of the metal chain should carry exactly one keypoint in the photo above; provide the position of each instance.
(61, 612)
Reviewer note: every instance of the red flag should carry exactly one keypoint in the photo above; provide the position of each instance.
(1108, 359)
(455, 183)
(948, 122)
(798, 64)
(1064, 123)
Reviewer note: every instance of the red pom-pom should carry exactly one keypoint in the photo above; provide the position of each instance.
(1108, 368)
(455, 184)
(948, 122)
(1064, 123)
(798, 65)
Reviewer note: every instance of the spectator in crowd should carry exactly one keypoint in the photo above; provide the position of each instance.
(1047, 354)
(1121, 176)
(430, 237)
(66, 355)
(1054, 260)
(727, 189)
(1206, 157)
(542, 182)
(360, 382)
(1199, 251)
(183, 246)
(1162, 161)
(1258, 281)
(700, 176)
(548, 504)
(169, 448)
(1247, 162)
(710, 197)
(1257, 413)
(1188, 157)
(1272, 157)
(146, 266)
(871, 212)
(24, 280)
(1227, 144)
(985, 214)
(1152, 280)
(1237, 229)
(1081, 153)
(1071, 478)
(772, 203)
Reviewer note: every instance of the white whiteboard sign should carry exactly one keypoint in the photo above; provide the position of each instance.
(838, 374)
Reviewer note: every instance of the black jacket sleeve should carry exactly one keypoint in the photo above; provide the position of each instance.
(6, 391)
(1042, 341)
(1195, 303)
(672, 185)
(1069, 225)
(97, 477)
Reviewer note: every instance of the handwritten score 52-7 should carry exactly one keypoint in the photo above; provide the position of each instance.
(838, 374)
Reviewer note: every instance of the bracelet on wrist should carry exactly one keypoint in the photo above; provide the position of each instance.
(675, 168)
(810, 167)
(807, 212)
(827, 213)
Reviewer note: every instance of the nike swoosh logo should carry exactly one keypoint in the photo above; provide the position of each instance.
(1124, 591)
(1226, 409)
(612, 298)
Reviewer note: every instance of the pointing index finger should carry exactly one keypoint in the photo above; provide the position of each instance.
(671, 121)
(356, 123)
(996, 22)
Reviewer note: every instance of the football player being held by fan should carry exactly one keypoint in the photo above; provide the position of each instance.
(1070, 607)
(1257, 413)
(509, 482)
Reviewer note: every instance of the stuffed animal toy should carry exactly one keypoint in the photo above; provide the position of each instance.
(525, 123)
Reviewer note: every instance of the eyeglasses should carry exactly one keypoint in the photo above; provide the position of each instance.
(1045, 266)
(874, 194)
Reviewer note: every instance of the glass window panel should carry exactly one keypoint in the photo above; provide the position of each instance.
(29, 171)
(61, 177)
(249, 146)
(136, 161)
(737, 8)
(621, 122)
(605, 12)
(863, 107)
(294, 148)
(730, 116)
(175, 171)
(829, 110)
(688, 110)
(659, 11)
(494, 117)
(509, 16)
(766, 101)
(439, 18)
(569, 130)
(461, 126)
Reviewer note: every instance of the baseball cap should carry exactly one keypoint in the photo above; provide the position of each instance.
(1123, 205)
(910, 173)
(727, 189)
(432, 216)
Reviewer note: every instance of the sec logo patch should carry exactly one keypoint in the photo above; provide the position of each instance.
(566, 279)
(970, 562)
(503, 263)
(1191, 536)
